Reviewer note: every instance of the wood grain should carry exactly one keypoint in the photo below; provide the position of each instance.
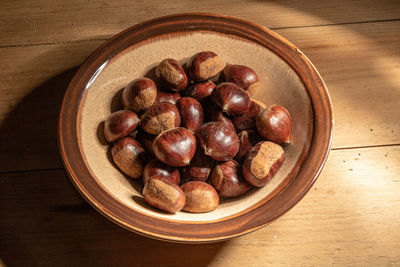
(350, 217)
(360, 69)
(60, 21)
(32, 88)
(360, 66)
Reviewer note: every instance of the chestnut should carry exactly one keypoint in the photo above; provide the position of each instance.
(218, 140)
(160, 117)
(200, 167)
(201, 90)
(139, 94)
(167, 97)
(275, 124)
(171, 75)
(200, 197)
(129, 156)
(146, 140)
(156, 168)
(214, 113)
(119, 124)
(163, 195)
(262, 162)
(175, 147)
(231, 98)
(191, 112)
(248, 119)
(241, 75)
(219, 117)
(244, 145)
(204, 65)
(228, 180)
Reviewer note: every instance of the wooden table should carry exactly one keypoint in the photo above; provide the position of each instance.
(351, 216)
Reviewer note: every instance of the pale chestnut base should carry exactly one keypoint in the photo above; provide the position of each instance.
(279, 84)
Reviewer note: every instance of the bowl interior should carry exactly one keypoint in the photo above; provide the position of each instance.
(279, 84)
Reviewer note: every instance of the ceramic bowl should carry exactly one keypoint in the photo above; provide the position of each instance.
(287, 78)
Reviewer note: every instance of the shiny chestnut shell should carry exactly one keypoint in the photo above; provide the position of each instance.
(199, 168)
(199, 91)
(160, 117)
(156, 168)
(248, 119)
(175, 147)
(119, 124)
(275, 124)
(243, 76)
(204, 65)
(191, 112)
(200, 197)
(218, 140)
(146, 140)
(214, 113)
(139, 94)
(167, 97)
(218, 116)
(231, 98)
(262, 162)
(163, 195)
(228, 180)
(244, 145)
(129, 156)
(171, 75)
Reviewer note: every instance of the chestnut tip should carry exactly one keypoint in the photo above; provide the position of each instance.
(287, 141)
(208, 151)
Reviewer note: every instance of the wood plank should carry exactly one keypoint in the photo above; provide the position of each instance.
(351, 216)
(358, 62)
(32, 88)
(360, 65)
(27, 22)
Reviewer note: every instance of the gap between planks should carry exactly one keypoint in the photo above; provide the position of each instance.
(362, 147)
(272, 28)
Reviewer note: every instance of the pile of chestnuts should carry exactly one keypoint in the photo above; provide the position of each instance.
(193, 134)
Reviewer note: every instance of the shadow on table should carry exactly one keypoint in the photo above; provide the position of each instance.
(45, 221)
(48, 223)
(29, 132)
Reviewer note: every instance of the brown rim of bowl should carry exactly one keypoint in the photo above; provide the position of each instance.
(195, 232)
